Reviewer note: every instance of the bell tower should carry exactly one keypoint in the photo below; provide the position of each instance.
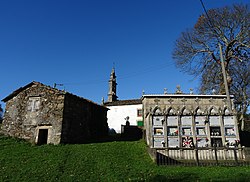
(112, 87)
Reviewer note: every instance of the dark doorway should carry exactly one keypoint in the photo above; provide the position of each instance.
(42, 136)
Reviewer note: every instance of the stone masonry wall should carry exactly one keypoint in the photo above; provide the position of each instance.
(180, 103)
(83, 120)
(22, 118)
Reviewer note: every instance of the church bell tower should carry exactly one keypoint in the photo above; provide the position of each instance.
(112, 87)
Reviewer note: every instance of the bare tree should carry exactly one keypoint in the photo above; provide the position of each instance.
(197, 52)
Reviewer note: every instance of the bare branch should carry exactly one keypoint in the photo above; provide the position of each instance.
(196, 51)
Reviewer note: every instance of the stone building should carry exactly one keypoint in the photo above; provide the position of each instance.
(42, 114)
(121, 111)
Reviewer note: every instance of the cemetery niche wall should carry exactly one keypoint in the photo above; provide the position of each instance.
(188, 121)
(183, 127)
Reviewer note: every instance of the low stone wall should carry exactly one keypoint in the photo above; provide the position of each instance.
(246, 153)
(152, 153)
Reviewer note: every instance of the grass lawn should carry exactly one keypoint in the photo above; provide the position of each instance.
(110, 161)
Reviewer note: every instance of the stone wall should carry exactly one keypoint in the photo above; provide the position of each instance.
(189, 102)
(83, 121)
(37, 106)
(42, 115)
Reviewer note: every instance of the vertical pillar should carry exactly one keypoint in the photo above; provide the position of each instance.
(179, 129)
(222, 129)
(194, 131)
(165, 131)
(150, 130)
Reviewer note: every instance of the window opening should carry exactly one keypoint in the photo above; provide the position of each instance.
(34, 104)
(139, 112)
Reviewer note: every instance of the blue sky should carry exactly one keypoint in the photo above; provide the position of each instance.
(76, 42)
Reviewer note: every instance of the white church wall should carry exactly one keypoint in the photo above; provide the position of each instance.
(117, 114)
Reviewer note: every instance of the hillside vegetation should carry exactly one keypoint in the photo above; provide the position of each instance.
(110, 161)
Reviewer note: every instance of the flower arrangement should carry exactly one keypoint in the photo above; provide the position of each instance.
(176, 132)
(187, 142)
(198, 139)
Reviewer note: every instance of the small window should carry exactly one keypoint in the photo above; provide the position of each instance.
(34, 104)
(139, 112)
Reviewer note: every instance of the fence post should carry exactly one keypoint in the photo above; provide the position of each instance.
(196, 156)
(235, 156)
(215, 154)
(158, 158)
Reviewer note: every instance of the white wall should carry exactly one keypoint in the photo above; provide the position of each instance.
(117, 114)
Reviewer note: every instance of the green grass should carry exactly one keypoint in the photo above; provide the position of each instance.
(110, 161)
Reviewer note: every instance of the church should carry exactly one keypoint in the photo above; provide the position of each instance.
(122, 111)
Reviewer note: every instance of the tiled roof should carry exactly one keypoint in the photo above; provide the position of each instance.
(87, 100)
(16, 92)
(124, 102)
